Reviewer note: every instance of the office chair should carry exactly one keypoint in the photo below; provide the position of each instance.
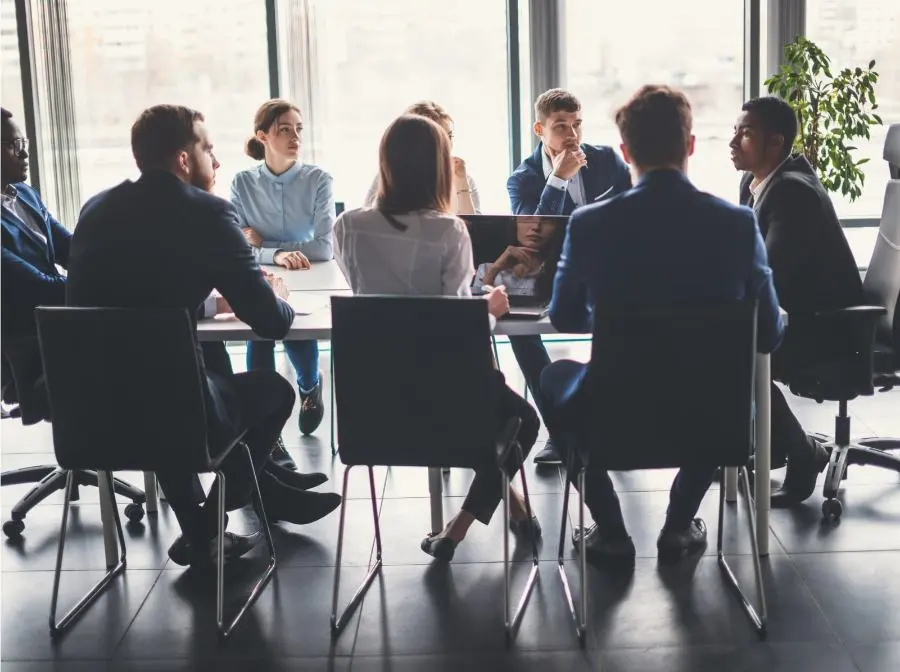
(427, 359)
(871, 359)
(95, 401)
(701, 358)
(21, 369)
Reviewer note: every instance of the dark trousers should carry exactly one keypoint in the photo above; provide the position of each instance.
(265, 400)
(789, 439)
(688, 489)
(486, 490)
(532, 358)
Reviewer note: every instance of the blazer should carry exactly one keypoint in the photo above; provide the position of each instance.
(605, 175)
(161, 243)
(29, 274)
(664, 241)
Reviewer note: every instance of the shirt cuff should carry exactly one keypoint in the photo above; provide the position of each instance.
(267, 255)
(557, 182)
(209, 306)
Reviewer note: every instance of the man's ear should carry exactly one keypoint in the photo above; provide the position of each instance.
(691, 141)
(625, 153)
(538, 129)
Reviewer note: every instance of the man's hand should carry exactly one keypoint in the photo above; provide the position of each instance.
(278, 286)
(460, 178)
(498, 301)
(292, 260)
(253, 238)
(568, 162)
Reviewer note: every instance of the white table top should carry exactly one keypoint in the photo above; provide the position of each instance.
(323, 276)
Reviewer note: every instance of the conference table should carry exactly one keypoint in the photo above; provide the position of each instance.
(310, 293)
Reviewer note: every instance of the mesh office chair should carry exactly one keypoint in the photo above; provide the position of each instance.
(701, 359)
(96, 399)
(871, 359)
(414, 382)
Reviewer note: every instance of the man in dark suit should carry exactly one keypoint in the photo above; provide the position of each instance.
(164, 241)
(34, 244)
(647, 246)
(811, 261)
(561, 175)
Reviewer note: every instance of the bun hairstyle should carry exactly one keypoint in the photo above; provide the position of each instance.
(265, 116)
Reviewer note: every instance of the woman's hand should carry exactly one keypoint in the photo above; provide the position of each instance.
(498, 301)
(292, 260)
(253, 238)
(511, 256)
(460, 178)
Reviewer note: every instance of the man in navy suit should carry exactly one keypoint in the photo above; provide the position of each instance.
(651, 245)
(561, 175)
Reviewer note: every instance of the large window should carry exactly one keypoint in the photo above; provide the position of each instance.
(853, 32)
(127, 55)
(11, 84)
(367, 61)
(611, 49)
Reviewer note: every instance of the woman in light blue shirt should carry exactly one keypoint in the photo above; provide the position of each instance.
(287, 213)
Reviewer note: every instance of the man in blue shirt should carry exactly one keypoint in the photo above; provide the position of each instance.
(561, 175)
(648, 246)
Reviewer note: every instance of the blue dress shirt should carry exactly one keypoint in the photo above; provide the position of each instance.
(291, 211)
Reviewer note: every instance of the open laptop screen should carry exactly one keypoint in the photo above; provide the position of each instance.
(520, 252)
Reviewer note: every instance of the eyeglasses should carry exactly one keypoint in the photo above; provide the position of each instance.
(19, 144)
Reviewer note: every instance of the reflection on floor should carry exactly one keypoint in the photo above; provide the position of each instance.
(834, 591)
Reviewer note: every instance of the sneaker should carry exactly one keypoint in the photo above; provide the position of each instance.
(280, 456)
(236, 545)
(611, 552)
(312, 409)
(549, 454)
(673, 544)
(526, 528)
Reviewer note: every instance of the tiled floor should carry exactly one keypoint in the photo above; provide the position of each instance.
(834, 591)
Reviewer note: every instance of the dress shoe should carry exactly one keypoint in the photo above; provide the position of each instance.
(673, 544)
(614, 552)
(295, 479)
(549, 454)
(438, 547)
(182, 553)
(280, 456)
(292, 505)
(526, 528)
(800, 479)
(312, 408)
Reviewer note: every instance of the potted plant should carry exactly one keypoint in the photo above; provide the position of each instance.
(832, 110)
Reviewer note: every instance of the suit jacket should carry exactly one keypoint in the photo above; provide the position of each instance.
(161, 243)
(604, 175)
(664, 241)
(29, 274)
(811, 260)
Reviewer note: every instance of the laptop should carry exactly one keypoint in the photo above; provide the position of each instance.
(520, 252)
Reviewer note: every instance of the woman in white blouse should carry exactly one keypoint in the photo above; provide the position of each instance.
(410, 243)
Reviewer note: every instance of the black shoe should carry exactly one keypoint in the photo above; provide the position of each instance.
(440, 548)
(296, 479)
(673, 544)
(526, 528)
(293, 505)
(800, 479)
(279, 456)
(612, 552)
(549, 454)
(236, 545)
(312, 409)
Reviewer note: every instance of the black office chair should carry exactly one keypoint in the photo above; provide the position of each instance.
(21, 370)
(106, 369)
(870, 359)
(701, 359)
(413, 380)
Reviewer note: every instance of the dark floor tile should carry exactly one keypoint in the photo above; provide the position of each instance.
(511, 661)
(57, 666)
(858, 592)
(316, 544)
(290, 619)
(877, 657)
(26, 608)
(870, 522)
(224, 664)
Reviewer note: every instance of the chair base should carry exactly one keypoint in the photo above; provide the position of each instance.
(50, 478)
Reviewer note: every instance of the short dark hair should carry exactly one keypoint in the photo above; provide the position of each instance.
(655, 125)
(160, 133)
(555, 100)
(416, 171)
(776, 117)
(5, 114)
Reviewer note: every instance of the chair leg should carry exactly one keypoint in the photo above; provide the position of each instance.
(580, 619)
(331, 394)
(512, 620)
(226, 630)
(339, 622)
(758, 618)
(150, 493)
(58, 628)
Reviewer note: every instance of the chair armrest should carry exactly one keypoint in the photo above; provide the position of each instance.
(852, 313)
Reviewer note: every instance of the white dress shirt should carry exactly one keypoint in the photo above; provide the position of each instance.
(575, 186)
(760, 188)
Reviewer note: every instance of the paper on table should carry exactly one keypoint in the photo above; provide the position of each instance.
(306, 304)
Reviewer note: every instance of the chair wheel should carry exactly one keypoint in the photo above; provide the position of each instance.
(13, 528)
(134, 512)
(832, 508)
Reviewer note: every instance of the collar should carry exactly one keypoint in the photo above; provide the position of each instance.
(286, 176)
(546, 163)
(758, 190)
(662, 175)
(9, 196)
